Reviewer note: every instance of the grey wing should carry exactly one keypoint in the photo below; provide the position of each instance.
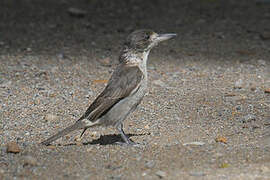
(124, 81)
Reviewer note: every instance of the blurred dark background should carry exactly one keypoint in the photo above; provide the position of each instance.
(211, 27)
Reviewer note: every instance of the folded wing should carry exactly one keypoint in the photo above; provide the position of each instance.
(124, 81)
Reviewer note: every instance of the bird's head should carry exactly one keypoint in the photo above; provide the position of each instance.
(144, 40)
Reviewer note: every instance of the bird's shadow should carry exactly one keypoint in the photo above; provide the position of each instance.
(108, 139)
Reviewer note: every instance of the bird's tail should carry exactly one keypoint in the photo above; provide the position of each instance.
(77, 125)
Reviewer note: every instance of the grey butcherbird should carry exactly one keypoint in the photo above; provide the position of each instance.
(125, 89)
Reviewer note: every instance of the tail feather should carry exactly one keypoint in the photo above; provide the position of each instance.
(77, 125)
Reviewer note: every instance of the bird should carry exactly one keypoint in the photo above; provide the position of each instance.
(125, 89)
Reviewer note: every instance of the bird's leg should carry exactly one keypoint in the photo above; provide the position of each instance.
(124, 136)
(83, 132)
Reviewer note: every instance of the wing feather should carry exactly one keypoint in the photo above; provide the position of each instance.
(125, 80)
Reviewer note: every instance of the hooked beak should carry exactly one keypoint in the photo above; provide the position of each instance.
(164, 37)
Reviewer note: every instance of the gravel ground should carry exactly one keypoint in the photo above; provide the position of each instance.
(207, 114)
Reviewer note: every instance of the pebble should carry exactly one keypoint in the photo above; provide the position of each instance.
(29, 161)
(147, 127)
(78, 138)
(238, 84)
(89, 150)
(201, 21)
(261, 62)
(197, 143)
(150, 164)
(144, 173)
(248, 118)
(159, 83)
(265, 35)
(12, 147)
(106, 61)
(2, 171)
(75, 12)
(89, 94)
(51, 117)
(61, 56)
(2, 174)
(265, 169)
(267, 90)
(6, 84)
(93, 133)
(253, 88)
(161, 174)
(51, 147)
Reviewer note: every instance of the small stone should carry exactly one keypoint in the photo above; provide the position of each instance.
(29, 161)
(201, 21)
(143, 174)
(248, 118)
(52, 26)
(159, 83)
(89, 150)
(93, 134)
(147, 127)
(220, 35)
(75, 12)
(253, 88)
(12, 147)
(118, 177)
(51, 117)
(61, 56)
(267, 90)
(261, 62)
(161, 174)
(238, 84)
(6, 84)
(93, 43)
(89, 94)
(150, 164)
(265, 169)
(78, 138)
(265, 35)
(79, 143)
(51, 147)
(218, 155)
(150, 67)
(106, 61)
(194, 143)
(197, 174)
(2, 174)
(138, 158)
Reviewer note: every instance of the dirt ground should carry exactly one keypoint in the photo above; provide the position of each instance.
(207, 114)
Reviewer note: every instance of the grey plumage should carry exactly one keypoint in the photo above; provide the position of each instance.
(125, 89)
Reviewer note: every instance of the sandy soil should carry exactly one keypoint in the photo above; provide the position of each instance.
(207, 114)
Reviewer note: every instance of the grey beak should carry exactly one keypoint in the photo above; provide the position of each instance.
(164, 37)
